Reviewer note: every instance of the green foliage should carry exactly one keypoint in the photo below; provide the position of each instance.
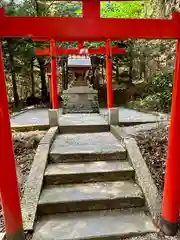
(149, 103)
(68, 9)
(159, 95)
(162, 84)
(121, 9)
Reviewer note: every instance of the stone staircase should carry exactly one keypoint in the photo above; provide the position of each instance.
(90, 191)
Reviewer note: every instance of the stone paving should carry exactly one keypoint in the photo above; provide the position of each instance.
(40, 116)
(77, 119)
(33, 116)
(129, 115)
(90, 191)
(2, 236)
(111, 224)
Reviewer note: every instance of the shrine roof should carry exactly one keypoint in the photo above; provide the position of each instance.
(79, 62)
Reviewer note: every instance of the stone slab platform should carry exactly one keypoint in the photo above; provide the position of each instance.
(130, 116)
(39, 116)
(88, 145)
(58, 173)
(81, 123)
(90, 196)
(78, 119)
(94, 225)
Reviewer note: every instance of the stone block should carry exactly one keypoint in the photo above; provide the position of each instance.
(53, 117)
(34, 181)
(144, 178)
(90, 196)
(113, 224)
(113, 116)
(99, 171)
(80, 99)
(33, 187)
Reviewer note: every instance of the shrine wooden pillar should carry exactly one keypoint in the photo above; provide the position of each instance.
(9, 190)
(54, 78)
(109, 74)
(91, 9)
(171, 195)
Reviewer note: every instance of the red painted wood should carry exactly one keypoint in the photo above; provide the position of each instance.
(65, 29)
(81, 44)
(109, 74)
(91, 9)
(2, 12)
(171, 195)
(54, 78)
(8, 180)
(75, 51)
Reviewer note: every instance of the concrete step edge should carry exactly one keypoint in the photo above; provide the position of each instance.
(83, 128)
(95, 225)
(64, 173)
(86, 157)
(90, 196)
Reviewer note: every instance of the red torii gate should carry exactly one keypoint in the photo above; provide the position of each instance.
(93, 28)
(76, 51)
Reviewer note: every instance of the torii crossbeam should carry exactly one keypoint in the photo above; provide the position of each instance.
(76, 51)
(91, 29)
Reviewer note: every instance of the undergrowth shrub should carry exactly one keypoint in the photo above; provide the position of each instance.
(158, 94)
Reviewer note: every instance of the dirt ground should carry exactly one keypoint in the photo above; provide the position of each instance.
(154, 145)
(25, 144)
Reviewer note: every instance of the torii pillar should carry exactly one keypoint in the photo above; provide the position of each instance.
(171, 194)
(53, 113)
(113, 112)
(8, 179)
(54, 78)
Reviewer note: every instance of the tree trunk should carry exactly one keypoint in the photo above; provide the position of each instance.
(117, 72)
(43, 78)
(142, 66)
(13, 74)
(63, 73)
(130, 61)
(32, 78)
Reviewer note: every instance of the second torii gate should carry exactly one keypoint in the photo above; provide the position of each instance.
(54, 51)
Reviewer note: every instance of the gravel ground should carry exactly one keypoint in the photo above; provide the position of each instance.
(25, 144)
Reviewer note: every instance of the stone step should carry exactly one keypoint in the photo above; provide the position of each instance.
(86, 147)
(88, 107)
(97, 225)
(82, 123)
(61, 173)
(90, 196)
(71, 110)
(84, 128)
(80, 84)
